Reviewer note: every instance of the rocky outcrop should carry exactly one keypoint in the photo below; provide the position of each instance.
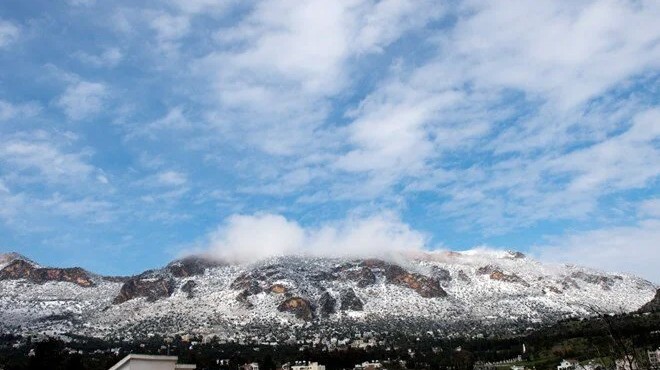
(495, 273)
(152, 289)
(22, 269)
(191, 266)
(653, 305)
(509, 278)
(248, 281)
(278, 289)
(605, 282)
(363, 276)
(298, 306)
(463, 276)
(243, 299)
(487, 270)
(327, 304)
(425, 286)
(516, 255)
(350, 301)
(189, 288)
(554, 290)
(441, 274)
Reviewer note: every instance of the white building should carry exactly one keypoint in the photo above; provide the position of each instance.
(369, 366)
(569, 365)
(251, 366)
(149, 362)
(307, 366)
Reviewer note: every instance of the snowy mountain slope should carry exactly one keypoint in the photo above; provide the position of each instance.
(469, 293)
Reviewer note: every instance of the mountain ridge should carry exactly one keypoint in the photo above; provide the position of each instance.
(442, 291)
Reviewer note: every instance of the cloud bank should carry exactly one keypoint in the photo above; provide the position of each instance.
(252, 237)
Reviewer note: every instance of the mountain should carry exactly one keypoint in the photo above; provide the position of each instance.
(653, 305)
(277, 299)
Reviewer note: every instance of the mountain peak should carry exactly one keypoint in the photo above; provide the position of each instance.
(7, 258)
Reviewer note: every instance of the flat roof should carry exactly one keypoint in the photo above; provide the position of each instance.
(135, 356)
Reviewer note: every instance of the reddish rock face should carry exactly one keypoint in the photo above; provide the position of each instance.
(299, 307)
(513, 278)
(425, 286)
(278, 289)
(20, 269)
(152, 289)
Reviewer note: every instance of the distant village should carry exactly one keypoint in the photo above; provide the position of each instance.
(640, 360)
(154, 362)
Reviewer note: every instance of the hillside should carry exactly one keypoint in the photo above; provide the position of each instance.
(448, 294)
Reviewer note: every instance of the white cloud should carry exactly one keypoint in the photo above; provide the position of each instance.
(171, 178)
(563, 50)
(253, 237)
(277, 69)
(10, 111)
(625, 161)
(202, 6)
(110, 57)
(174, 121)
(631, 249)
(81, 2)
(650, 208)
(83, 99)
(38, 157)
(499, 119)
(169, 29)
(8, 33)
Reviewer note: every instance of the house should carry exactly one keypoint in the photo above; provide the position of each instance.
(626, 363)
(654, 358)
(149, 362)
(303, 365)
(251, 366)
(569, 364)
(369, 366)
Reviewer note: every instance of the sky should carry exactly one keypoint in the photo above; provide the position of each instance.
(133, 132)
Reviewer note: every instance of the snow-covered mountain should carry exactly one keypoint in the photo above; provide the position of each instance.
(446, 293)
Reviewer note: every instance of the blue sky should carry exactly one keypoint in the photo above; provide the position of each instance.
(132, 132)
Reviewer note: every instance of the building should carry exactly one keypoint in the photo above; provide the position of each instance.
(654, 358)
(369, 366)
(303, 365)
(251, 366)
(569, 365)
(626, 363)
(149, 362)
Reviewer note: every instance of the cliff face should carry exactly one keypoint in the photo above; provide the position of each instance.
(298, 306)
(152, 289)
(653, 305)
(21, 269)
(191, 266)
